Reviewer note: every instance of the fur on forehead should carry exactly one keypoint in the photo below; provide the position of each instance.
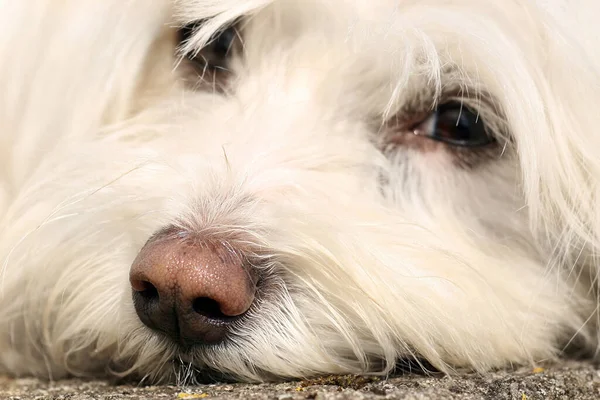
(419, 39)
(405, 38)
(415, 52)
(384, 25)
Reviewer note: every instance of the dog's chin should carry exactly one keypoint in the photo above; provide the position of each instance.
(189, 366)
(198, 363)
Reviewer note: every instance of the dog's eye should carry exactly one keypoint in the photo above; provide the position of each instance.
(215, 54)
(455, 124)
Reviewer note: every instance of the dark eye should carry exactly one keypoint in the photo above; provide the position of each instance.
(215, 54)
(455, 124)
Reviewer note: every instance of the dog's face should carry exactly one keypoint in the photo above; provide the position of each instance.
(365, 184)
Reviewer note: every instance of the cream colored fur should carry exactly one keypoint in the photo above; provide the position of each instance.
(372, 257)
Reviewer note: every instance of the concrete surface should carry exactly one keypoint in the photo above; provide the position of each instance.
(568, 381)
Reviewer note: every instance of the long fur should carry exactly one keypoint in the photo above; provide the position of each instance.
(373, 257)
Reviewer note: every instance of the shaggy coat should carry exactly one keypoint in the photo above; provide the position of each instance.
(377, 244)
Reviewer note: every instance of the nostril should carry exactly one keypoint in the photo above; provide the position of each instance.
(145, 289)
(191, 289)
(210, 309)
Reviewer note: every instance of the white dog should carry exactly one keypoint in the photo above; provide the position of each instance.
(263, 189)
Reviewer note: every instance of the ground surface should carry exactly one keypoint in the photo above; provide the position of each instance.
(568, 381)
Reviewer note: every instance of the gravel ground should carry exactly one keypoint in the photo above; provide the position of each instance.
(568, 381)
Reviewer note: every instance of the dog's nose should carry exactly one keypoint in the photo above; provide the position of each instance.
(189, 288)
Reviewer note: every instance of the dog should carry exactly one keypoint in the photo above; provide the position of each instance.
(273, 189)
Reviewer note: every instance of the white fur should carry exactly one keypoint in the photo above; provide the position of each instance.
(101, 145)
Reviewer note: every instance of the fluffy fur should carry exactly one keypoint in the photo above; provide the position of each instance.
(373, 255)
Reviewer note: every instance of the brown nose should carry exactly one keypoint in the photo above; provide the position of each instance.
(190, 289)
